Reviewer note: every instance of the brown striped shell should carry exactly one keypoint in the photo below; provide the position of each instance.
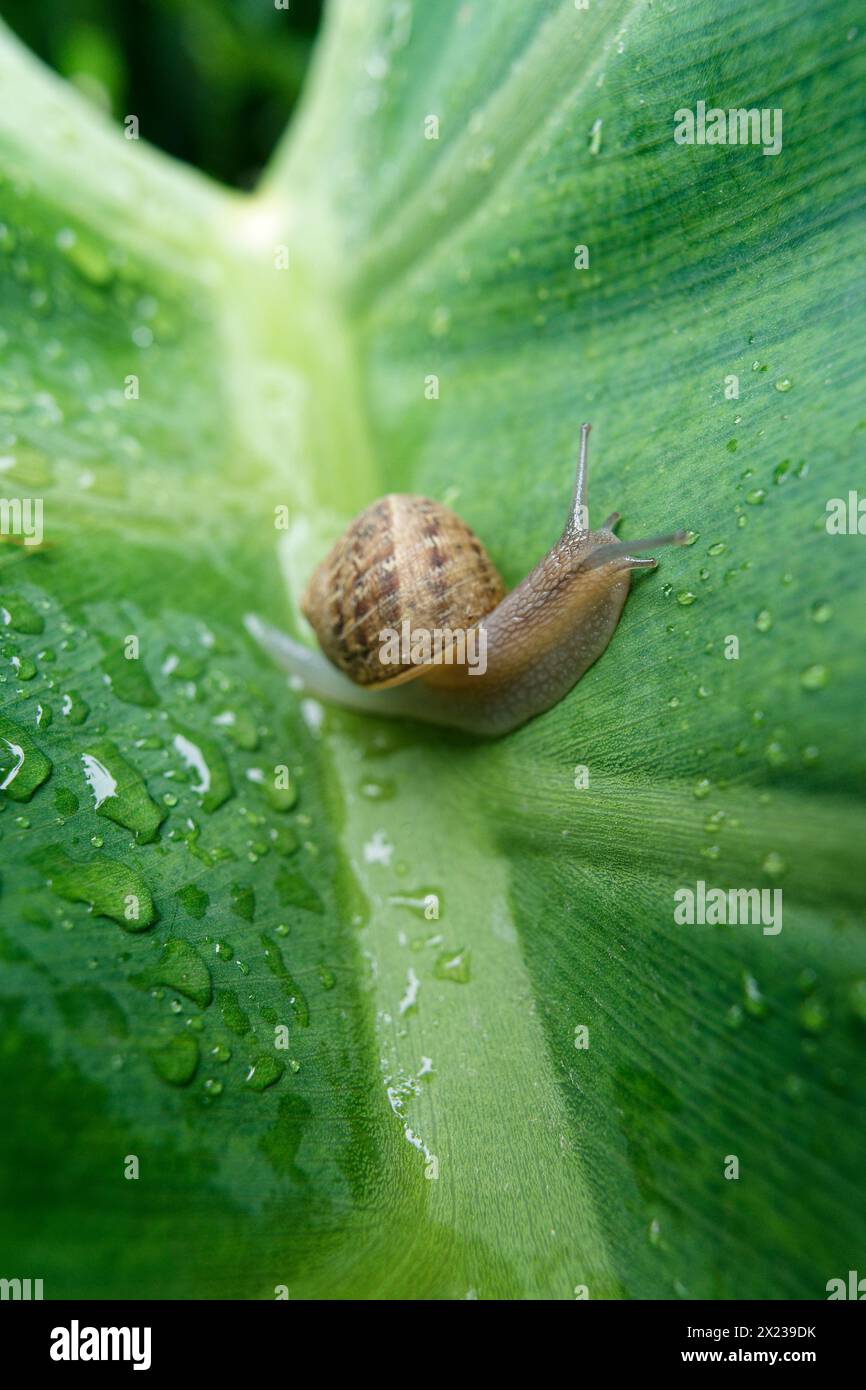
(402, 558)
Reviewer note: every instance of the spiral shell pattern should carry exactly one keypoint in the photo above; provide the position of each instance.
(403, 557)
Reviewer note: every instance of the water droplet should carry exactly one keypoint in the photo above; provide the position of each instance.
(21, 616)
(753, 999)
(204, 759)
(177, 1061)
(595, 136)
(181, 968)
(120, 793)
(813, 1015)
(233, 1015)
(263, 1072)
(74, 708)
(822, 611)
(291, 989)
(280, 790)
(193, 900)
(426, 902)
(24, 668)
(685, 597)
(756, 497)
(783, 384)
(91, 262)
(382, 789)
(110, 889)
(23, 767)
(453, 965)
(243, 901)
(327, 978)
(127, 678)
(794, 1087)
(240, 726)
(702, 788)
(764, 620)
(150, 742)
(814, 677)
(774, 865)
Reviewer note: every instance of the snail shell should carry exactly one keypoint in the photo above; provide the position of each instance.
(402, 558)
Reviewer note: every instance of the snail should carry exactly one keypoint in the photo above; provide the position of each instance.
(408, 594)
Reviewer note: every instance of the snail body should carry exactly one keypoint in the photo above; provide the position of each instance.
(477, 658)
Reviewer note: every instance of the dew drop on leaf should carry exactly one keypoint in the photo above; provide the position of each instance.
(177, 1061)
(453, 965)
(263, 1072)
(753, 999)
(813, 1015)
(814, 677)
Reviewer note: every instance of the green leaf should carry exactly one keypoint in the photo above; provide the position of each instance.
(434, 923)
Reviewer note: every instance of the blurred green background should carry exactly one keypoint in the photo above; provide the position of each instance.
(213, 82)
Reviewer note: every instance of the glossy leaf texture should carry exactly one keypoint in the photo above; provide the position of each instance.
(439, 924)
